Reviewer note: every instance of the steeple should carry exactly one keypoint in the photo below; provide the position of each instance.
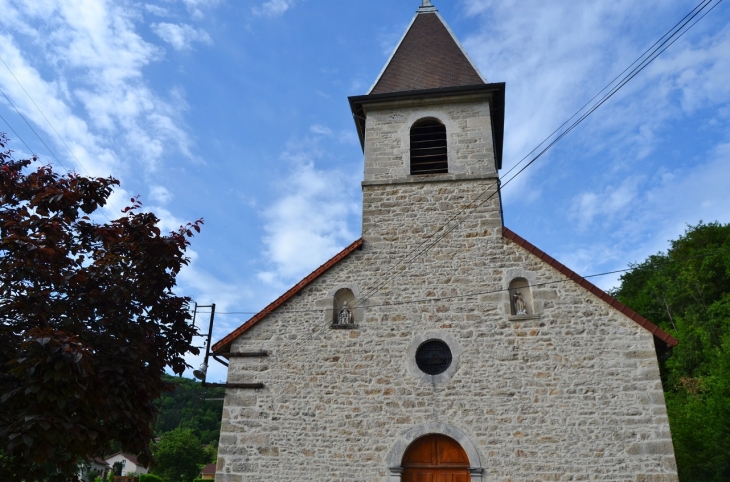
(428, 57)
(441, 117)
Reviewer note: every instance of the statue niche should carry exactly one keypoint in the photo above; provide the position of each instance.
(520, 297)
(343, 309)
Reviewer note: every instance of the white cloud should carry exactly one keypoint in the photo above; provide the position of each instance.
(160, 194)
(562, 53)
(195, 7)
(320, 130)
(613, 180)
(308, 224)
(607, 205)
(180, 36)
(93, 58)
(157, 10)
(273, 8)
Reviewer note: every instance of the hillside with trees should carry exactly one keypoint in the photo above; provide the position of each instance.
(686, 291)
(191, 407)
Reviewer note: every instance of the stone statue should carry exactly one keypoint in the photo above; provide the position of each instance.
(520, 305)
(345, 315)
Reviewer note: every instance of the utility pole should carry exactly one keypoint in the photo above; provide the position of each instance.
(202, 372)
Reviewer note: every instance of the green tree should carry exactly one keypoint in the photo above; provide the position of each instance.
(686, 291)
(179, 455)
(189, 406)
(88, 321)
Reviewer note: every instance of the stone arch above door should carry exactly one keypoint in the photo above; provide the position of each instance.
(395, 455)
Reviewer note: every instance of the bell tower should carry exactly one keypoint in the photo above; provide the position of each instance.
(431, 128)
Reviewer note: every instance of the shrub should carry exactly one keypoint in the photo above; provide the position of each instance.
(149, 478)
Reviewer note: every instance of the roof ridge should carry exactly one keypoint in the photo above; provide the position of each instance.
(584, 283)
(227, 340)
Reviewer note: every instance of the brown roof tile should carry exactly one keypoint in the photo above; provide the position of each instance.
(224, 344)
(428, 57)
(568, 273)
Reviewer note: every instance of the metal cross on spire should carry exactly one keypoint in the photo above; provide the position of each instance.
(426, 5)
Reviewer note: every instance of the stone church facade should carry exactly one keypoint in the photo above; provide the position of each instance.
(442, 346)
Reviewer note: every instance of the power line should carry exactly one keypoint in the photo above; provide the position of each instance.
(673, 33)
(34, 132)
(44, 116)
(39, 137)
(478, 293)
(17, 135)
(606, 87)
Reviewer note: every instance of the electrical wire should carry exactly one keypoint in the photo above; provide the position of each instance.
(478, 293)
(604, 89)
(46, 118)
(17, 135)
(673, 33)
(34, 132)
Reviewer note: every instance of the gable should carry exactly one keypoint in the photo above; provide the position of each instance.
(225, 343)
(587, 285)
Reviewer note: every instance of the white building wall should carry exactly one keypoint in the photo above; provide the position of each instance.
(129, 466)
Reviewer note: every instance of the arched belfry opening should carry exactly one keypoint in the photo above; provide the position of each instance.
(436, 458)
(428, 147)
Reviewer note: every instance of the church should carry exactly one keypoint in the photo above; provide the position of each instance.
(442, 346)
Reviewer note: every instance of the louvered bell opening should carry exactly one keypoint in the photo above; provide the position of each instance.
(428, 148)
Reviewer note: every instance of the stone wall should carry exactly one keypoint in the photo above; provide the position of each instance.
(388, 142)
(571, 392)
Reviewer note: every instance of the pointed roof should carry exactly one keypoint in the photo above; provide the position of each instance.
(427, 57)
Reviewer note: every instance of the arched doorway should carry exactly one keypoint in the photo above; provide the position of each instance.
(435, 458)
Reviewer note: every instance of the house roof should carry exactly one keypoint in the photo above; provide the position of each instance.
(208, 469)
(130, 457)
(428, 57)
(568, 273)
(225, 343)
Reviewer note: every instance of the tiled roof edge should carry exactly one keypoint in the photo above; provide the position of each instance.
(610, 300)
(225, 342)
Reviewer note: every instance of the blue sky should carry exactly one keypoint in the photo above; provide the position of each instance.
(236, 111)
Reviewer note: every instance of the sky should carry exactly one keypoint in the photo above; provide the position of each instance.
(236, 111)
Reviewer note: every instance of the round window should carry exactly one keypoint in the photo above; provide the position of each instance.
(433, 357)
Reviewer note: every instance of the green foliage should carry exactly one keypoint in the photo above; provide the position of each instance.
(185, 407)
(88, 321)
(201, 480)
(178, 455)
(687, 293)
(117, 468)
(149, 478)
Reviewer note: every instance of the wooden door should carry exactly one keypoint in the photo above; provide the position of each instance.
(435, 458)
